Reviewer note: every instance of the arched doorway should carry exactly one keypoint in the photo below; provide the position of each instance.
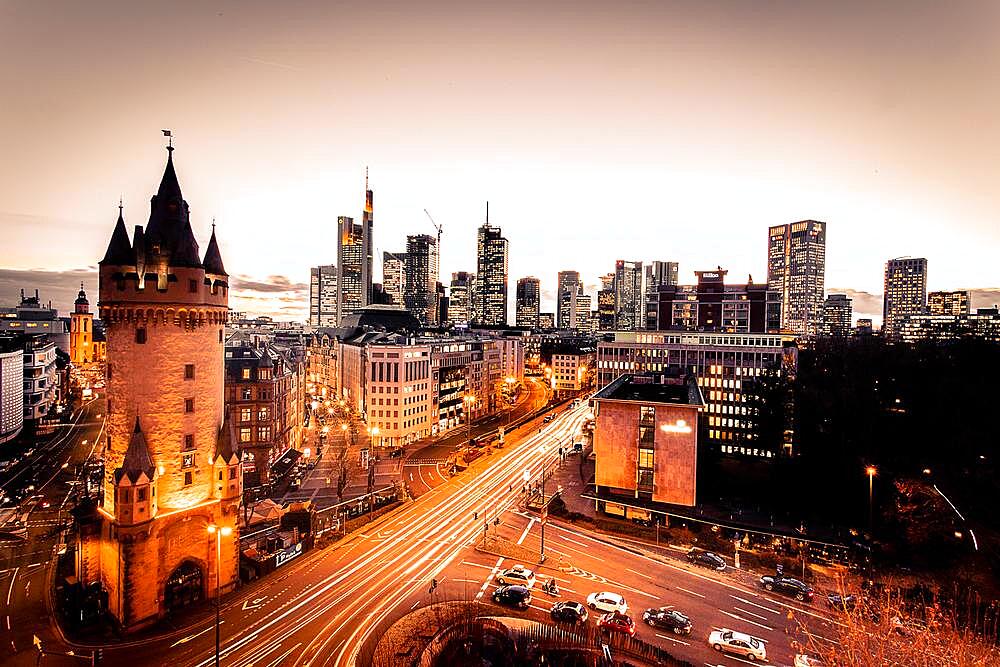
(184, 586)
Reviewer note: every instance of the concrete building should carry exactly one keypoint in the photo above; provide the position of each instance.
(461, 296)
(491, 277)
(796, 269)
(905, 293)
(31, 316)
(529, 302)
(837, 315)
(629, 301)
(864, 327)
(420, 292)
(580, 311)
(394, 276)
(661, 274)
(646, 443)
(725, 364)
(712, 305)
(41, 382)
(572, 368)
(568, 284)
(169, 451)
(11, 387)
(984, 324)
(949, 303)
(323, 296)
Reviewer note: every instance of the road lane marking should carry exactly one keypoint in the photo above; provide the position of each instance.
(526, 529)
(681, 588)
(673, 639)
(744, 611)
(640, 574)
(746, 620)
(745, 601)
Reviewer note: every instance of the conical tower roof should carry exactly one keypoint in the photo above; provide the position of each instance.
(226, 447)
(213, 258)
(169, 223)
(137, 460)
(119, 249)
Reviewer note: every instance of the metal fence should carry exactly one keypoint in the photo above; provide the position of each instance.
(335, 517)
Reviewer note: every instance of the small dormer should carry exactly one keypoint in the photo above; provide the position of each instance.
(135, 482)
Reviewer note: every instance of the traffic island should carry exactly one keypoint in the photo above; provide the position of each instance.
(495, 545)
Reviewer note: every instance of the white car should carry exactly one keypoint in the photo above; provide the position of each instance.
(607, 602)
(738, 643)
(803, 660)
(518, 575)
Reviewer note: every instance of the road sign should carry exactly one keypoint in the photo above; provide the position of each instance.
(364, 459)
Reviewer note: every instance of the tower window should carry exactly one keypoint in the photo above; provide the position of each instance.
(188, 460)
(188, 371)
(188, 479)
(140, 494)
(192, 286)
(188, 405)
(140, 335)
(189, 441)
(220, 335)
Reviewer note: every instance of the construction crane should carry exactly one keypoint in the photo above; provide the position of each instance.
(436, 226)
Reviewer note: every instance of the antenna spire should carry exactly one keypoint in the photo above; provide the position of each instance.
(366, 178)
(487, 211)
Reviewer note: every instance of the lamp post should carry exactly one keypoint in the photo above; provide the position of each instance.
(871, 471)
(509, 380)
(219, 532)
(468, 400)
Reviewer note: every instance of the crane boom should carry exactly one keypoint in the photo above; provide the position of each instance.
(438, 227)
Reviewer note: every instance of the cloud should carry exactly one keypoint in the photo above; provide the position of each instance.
(271, 285)
(864, 303)
(59, 287)
(984, 297)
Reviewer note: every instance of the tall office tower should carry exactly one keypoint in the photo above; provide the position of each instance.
(354, 260)
(905, 292)
(394, 275)
(567, 286)
(169, 451)
(661, 273)
(796, 268)
(837, 316)
(420, 292)
(629, 299)
(368, 225)
(323, 296)
(460, 297)
(491, 276)
(546, 320)
(529, 302)
(606, 303)
(580, 311)
(949, 303)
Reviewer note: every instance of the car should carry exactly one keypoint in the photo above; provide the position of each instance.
(841, 602)
(607, 602)
(617, 622)
(518, 574)
(803, 660)
(787, 586)
(569, 612)
(668, 619)
(548, 418)
(706, 559)
(513, 596)
(738, 643)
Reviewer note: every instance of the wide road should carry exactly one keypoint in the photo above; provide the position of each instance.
(321, 610)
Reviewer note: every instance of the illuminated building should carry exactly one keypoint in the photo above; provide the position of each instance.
(572, 366)
(394, 276)
(546, 321)
(712, 305)
(31, 316)
(529, 301)
(491, 277)
(949, 303)
(580, 311)
(420, 291)
(606, 303)
(567, 286)
(461, 297)
(837, 315)
(796, 269)
(170, 455)
(905, 293)
(11, 387)
(864, 327)
(661, 273)
(984, 324)
(628, 295)
(323, 296)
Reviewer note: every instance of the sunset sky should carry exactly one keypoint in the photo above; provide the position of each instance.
(597, 131)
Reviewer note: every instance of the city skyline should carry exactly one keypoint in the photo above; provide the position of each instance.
(881, 158)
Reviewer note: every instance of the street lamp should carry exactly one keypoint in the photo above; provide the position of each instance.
(219, 532)
(468, 400)
(871, 471)
(509, 380)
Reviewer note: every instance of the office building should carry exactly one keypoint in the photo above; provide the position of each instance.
(949, 303)
(606, 303)
(580, 311)
(491, 277)
(661, 274)
(567, 285)
(712, 305)
(837, 316)
(460, 297)
(546, 320)
(629, 297)
(394, 276)
(864, 327)
(323, 296)
(984, 324)
(11, 387)
(420, 291)
(529, 302)
(31, 316)
(796, 269)
(905, 293)
(572, 366)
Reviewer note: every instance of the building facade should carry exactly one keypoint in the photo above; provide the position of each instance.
(529, 302)
(838, 314)
(31, 316)
(984, 324)
(171, 465)
(82, 349)
(41, 383)
(491, 277)
(712, 305)
(905, 293)
(661, 274)
(796, 269)
(420, 291)
(572, 369)
(394, 276)
(957, 303)
(11, 388)
(461, 296)
(629, 302)
(323, 296)
(606, 303)
(568, 284)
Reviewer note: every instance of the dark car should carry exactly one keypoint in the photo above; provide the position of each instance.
(841, 602)
(668, 619)
(513, 596)
(788, 586)
(569, 612)
(616, 622)
(706, 559)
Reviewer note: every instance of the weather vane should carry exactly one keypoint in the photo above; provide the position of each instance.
(170, 140)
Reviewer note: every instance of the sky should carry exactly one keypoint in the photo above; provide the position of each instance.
(597, 131)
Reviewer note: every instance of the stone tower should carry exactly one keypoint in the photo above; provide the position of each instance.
(171, 466)
(81, 331)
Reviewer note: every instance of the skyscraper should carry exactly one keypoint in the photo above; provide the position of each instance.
(796, 268)
(323, 296)
(460, 297)
(580, 311)
(491, 276)
(420, 292)
(629, 298)
(837, 316)
(529, 295)
(606, 303)
(394, 275)
(354, 260)
(660, 273)
(905, 292)
(567, 285)
(949, 303)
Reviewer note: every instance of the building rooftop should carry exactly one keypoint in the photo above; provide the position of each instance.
(653, 388)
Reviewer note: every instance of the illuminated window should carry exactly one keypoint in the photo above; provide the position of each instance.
(187, 460)
(263, 433)
(246, 374)
(245, 414)
(244, 435)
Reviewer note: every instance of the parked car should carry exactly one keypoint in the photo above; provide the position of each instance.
(668, 619)
(616, 622)
(841, 602)
(706, 559)
(738, 643)
(513, 596)
(518, 574)
(607, 602)
(569, 612)
(548, 418)
(787, 586)
(803, 660)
